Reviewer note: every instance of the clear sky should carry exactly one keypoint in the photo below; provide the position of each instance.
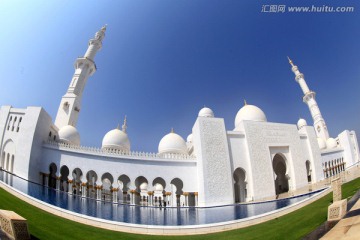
(162, 61)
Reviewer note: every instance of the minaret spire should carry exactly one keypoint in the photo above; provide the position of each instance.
(309, 99)
(70, 104)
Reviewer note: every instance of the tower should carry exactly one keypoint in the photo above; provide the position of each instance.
(70, 104)
(309, 99)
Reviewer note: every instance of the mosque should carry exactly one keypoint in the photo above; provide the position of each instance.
(257, 159)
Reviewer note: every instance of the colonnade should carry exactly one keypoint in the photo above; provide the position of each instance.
(333, 167)
(112, 194)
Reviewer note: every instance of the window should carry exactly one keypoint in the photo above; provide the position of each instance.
(8, 128)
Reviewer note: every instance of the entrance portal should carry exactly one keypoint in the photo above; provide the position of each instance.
(281, 180)
(240, 185)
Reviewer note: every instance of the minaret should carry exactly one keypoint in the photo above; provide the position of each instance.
(309, 99)
(70, 104)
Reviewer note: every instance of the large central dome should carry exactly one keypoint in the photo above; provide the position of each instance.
(249, 113)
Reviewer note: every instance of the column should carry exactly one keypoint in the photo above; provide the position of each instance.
(196, 198)
(70, 186)
(46, 179)
(115, 195)
(57, 183)
(98, 192)
(167, 199)
(132, 197)
(83, 189)
(186, 194)
(151, 198)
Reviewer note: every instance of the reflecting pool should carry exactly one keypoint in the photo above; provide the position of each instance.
(143, 214)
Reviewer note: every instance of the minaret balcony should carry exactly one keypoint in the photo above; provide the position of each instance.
(308, 96)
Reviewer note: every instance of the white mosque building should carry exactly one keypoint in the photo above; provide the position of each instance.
(257, 159)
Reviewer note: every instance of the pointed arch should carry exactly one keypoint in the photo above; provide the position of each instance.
(281, 176)
(52, 175)
(240, 184)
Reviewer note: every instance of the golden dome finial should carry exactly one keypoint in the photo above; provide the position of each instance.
(172, 130)
(245, 103)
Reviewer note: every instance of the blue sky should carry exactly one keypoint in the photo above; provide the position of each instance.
(162, 61)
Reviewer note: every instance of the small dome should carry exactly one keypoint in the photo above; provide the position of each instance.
(172, 143)
(143, 186)
(301, 123)
(250, 113)
(116, 139)
(206, 112)
(69, 134)
(322, 143)
(189, 138)
(159, 187)
(331, 143)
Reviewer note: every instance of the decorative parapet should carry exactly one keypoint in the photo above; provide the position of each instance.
(115, 152)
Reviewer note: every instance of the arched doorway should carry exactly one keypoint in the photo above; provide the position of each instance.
(52, 175)
(64, 174)
(159, 185)
(176, 192)
(77, 176)
(141, 190)
(107, 181)
(308, 171)
(240, 192)
(124, 182)
(281, 178)
(91, 178)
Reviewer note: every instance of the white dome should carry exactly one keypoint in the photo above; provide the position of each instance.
(331, 143)
(116, 139)
(250, 113)
(322, 143)
(189, 138)
(172, 143)
(69, 134)
(206, 112)
(301, 123)
(159, 187)
(143, 186)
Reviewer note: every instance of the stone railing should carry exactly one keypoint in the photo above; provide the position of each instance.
(115, 152)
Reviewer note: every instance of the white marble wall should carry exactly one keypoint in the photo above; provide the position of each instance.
(27, 136)
(214, 170)
(312, 152)
(264, 140)
(348, 142)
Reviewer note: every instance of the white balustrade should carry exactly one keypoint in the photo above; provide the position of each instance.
(137, 154)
